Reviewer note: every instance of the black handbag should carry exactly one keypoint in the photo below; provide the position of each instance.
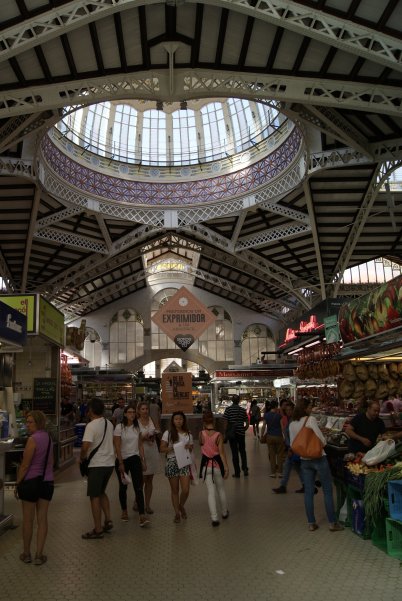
(84, 463)
(29, 490)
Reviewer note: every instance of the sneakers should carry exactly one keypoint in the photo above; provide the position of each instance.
(225, 516)
(280, 490)
(272, 475)
(124, 516)
(215, 523)
(246, 471)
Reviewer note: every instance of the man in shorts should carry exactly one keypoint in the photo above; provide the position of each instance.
(98, 434)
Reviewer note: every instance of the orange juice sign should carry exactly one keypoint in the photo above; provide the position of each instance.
(183, 318)
(177, 392)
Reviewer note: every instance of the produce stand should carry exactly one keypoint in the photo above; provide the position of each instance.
(372, 497)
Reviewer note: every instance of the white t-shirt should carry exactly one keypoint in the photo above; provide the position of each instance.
(104, 456)
(129, 440)
(296, 426)
(183, 437)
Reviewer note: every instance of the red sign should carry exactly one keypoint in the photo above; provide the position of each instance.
(261, 373)
(305, 327)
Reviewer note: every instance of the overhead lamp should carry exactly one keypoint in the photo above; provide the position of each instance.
(183, 105)
(159, 105)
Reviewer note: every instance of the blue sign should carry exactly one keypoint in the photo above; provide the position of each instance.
(13, 325)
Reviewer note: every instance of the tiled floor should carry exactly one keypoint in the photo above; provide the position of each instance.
(262, 552)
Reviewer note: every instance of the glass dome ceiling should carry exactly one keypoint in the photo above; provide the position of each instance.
(184, 133)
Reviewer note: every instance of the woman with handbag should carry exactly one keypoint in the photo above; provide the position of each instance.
(34, 485)
(307, 440)
(179, 477)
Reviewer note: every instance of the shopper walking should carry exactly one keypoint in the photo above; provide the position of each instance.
(179, 477)
(255, 417)
(311, 468)
(292, 460)
(214, 467)
(275, 442)
(149, 433)
(130, 460)
(98, 435)
(235, 432)
(34, 485)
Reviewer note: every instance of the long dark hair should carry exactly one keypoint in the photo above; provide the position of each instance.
(173, 433)
(301, 409)
(125, 420)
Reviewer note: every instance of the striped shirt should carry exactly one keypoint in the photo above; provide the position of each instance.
(237, 415)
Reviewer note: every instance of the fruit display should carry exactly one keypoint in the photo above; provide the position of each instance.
(372, 313)
(361, 381)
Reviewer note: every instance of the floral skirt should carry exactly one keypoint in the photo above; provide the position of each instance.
(172, 470)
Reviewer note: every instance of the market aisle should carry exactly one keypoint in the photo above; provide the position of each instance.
(243, 559)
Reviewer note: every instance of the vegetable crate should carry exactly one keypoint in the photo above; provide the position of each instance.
(394, 538)
(395, 499)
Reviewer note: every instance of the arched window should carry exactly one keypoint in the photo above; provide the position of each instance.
(217, 341)
(93, 349)
(126, 336)
(256, 339)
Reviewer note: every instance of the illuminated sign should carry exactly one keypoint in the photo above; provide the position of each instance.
(51, 322)
(25, 304)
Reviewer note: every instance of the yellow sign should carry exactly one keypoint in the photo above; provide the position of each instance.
(25, 304)
(183, 318)
(177, 392)
(51, 322)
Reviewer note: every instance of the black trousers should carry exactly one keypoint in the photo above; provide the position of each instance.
(238, 445)
(133, 467)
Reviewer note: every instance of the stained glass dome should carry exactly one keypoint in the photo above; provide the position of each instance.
(186, 133)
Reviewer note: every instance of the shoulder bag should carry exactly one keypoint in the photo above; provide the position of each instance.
(28, 490)
(84, 464)
(307, 444)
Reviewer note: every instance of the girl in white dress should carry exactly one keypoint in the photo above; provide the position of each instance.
(149, 431)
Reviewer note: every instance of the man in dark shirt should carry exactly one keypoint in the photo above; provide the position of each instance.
(364, 429)
(237, 424)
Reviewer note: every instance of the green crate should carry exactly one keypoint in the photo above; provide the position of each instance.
(394, 538)
(379, 534)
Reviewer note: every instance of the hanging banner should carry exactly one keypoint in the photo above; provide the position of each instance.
(372, 313)
(183, 318)
(177, 390)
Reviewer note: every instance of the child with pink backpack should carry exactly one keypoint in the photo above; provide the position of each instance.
(214, 468)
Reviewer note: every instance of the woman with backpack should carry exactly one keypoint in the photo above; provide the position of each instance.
(214, 467)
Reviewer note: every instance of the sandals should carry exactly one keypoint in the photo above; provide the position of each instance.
(149, 510)
(40, 560)
(312, 527)
(107, 526)
(92, 534)
(183, 512)
(176, 518)
(26, 557)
